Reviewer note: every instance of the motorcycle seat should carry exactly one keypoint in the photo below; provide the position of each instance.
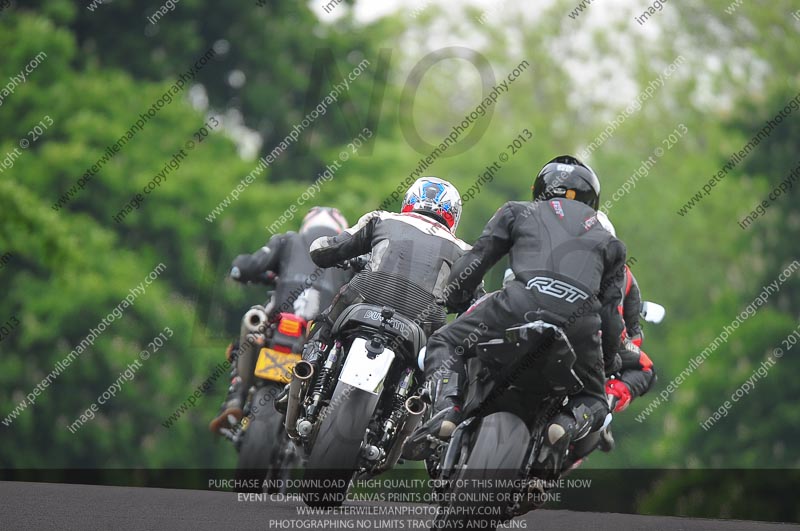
(410, 335)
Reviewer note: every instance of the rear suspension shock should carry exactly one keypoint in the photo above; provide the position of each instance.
(322, 384)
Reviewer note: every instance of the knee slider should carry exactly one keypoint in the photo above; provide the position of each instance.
(561, 425)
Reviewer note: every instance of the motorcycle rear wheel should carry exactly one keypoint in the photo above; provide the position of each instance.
(337, 447)
(477, 497)
(262, 440)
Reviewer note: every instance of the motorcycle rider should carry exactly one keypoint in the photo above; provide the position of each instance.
(637, 374)
(569, 271)
(300, 288)
(411, 255)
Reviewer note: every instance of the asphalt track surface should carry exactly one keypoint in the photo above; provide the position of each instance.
(83, 507)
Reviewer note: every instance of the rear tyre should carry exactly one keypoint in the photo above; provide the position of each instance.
(261, 441)
(337, 447)
(476, 497)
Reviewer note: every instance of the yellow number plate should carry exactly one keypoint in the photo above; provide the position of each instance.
(275, 366)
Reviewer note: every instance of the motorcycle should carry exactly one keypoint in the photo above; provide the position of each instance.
(265, 451)
(487, 472)
(351, 412)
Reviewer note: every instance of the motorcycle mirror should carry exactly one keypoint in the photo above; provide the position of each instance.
(652, 312)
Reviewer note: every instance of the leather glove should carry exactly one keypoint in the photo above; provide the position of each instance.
(241, 268)
(619, 394)
(459, 301)
(630, 346)
(630, 355)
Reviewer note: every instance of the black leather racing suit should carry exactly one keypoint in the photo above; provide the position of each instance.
(411, 258)
(301, 287)
(564, 263)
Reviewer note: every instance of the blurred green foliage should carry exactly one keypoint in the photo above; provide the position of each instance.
(70, 268)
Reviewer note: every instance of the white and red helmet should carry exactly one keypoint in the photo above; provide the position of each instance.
(328, 217)
(434, 196)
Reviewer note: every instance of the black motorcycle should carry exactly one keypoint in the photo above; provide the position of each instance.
(487, 470)
(351, 412)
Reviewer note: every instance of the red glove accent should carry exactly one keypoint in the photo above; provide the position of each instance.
(618, 389)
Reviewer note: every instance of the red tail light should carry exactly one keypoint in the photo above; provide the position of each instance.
(292, 325)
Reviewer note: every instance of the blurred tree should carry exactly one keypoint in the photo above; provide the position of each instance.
(103, 68)
(275, 62)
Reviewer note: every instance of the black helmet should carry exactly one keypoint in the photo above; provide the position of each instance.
(566, 176)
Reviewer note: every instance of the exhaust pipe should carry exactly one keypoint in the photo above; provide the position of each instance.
(254, 321)
(415, 409)
(301, 378)
(251, 339)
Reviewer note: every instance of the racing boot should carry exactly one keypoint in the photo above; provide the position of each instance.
(446, 415)
(231, 409)
(566, 427)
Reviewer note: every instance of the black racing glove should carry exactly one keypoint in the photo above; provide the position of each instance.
(357, 264)
(459, 301)
(244, 269)
(456, 307)
(630, 355)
